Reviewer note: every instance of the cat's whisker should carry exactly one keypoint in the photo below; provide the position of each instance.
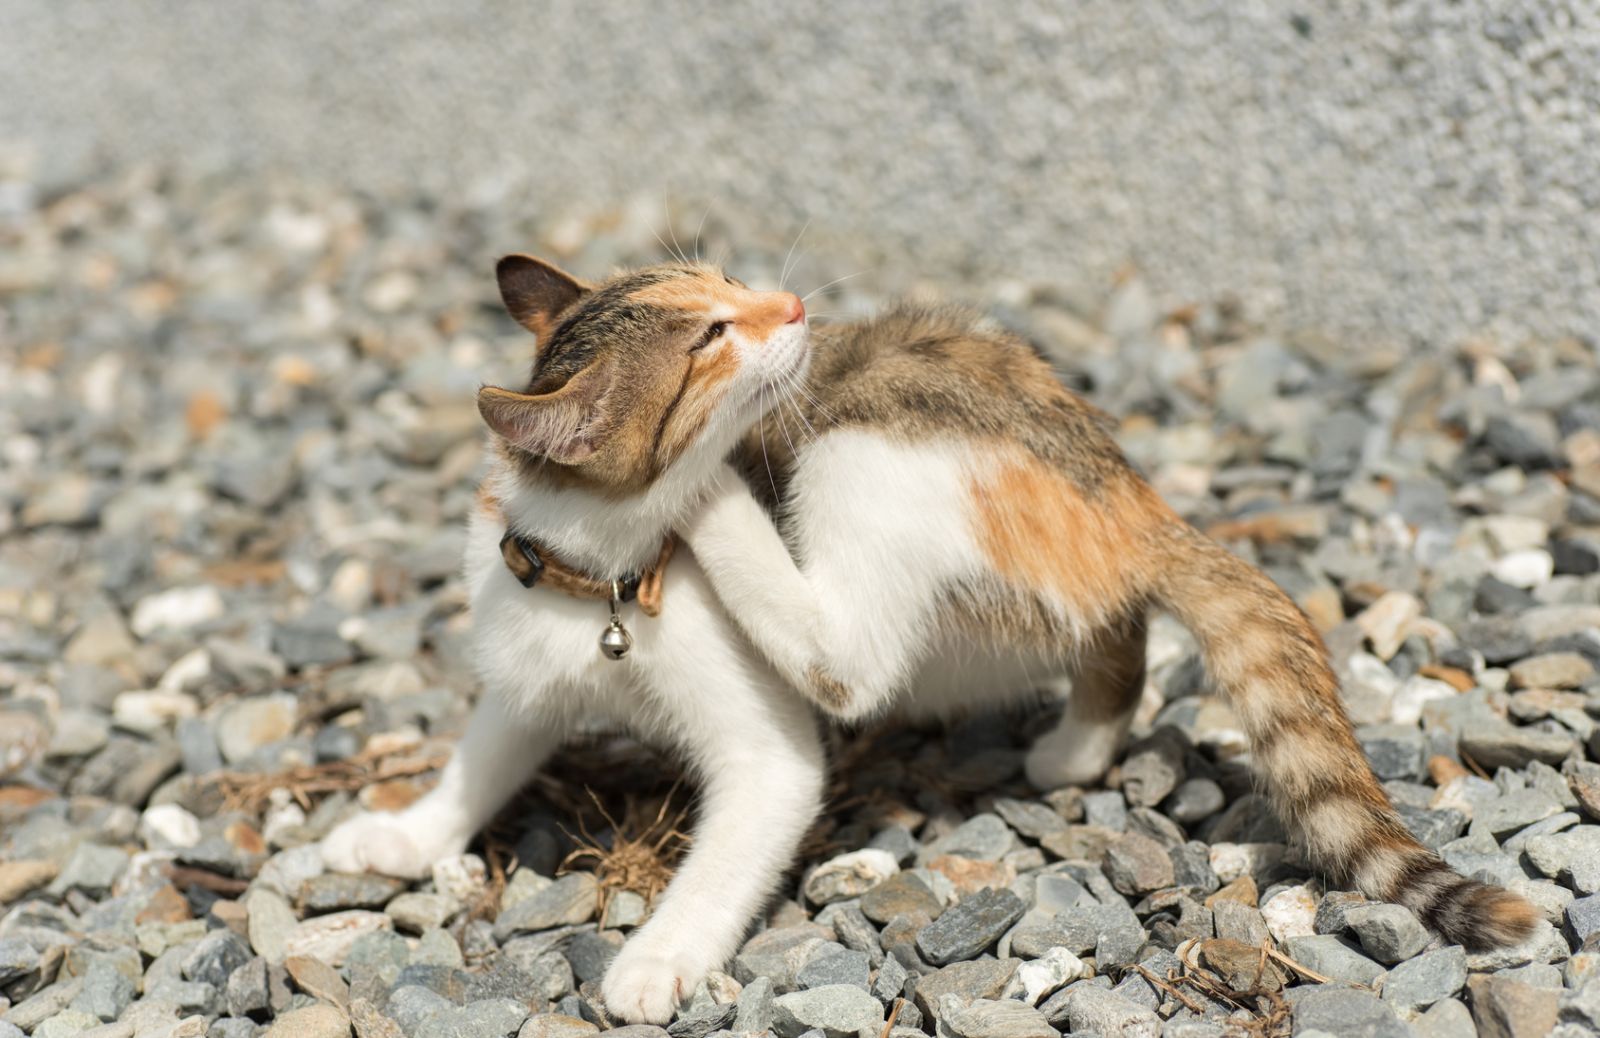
(799, 385)
(761, 432)
(794, 388)
(783, 427)
(830, 284)
(784, 276)
(700, 227)
(677, 249)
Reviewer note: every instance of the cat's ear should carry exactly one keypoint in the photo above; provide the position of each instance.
(535, 292)
(562, 425)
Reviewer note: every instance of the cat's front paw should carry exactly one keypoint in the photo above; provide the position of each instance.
(643, 987)
(379, 843)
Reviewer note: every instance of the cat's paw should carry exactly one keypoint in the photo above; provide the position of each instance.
(1074, 758)
(642, 987)
(378, 843)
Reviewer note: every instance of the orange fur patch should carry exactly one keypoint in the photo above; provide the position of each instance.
(754, 313)
(489, 505)
(1042, 534)
(707, 380)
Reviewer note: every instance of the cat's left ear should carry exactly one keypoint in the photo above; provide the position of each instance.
(563, 425)
(537, 293)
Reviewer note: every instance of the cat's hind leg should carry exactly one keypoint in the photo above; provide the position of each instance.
(1106, 686)
(500, 752)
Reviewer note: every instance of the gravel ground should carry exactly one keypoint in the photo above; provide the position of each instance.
(239, 442)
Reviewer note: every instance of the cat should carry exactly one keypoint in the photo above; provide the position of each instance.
(953, 524)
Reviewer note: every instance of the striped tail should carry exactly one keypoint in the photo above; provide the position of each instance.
(1263, 655)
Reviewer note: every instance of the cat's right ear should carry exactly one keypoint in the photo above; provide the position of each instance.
(535, 292)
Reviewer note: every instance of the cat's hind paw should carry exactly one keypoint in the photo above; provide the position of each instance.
(378, 843)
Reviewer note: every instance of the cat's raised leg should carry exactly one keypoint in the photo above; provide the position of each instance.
(501, 751)
(762, 766)
(1105, 694)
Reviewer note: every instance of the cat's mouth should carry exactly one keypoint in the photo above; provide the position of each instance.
(787, 359)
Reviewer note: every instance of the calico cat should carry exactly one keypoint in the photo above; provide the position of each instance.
(953, 524)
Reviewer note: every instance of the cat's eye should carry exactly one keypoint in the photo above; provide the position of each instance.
(711, 335)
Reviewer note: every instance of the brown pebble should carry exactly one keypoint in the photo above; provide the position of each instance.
(1242, 890)
(1455, 677)
(1442, 769)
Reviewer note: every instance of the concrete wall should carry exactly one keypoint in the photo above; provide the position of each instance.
(1421, 169)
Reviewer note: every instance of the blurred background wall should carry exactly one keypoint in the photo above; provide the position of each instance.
(1419, 170)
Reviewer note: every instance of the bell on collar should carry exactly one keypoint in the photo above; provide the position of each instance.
(615, 641)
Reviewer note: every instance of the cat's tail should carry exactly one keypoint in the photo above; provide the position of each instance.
(1263, 655)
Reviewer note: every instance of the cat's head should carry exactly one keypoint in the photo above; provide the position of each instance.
(643, 370)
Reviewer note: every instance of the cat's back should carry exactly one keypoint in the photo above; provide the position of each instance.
(923, 373)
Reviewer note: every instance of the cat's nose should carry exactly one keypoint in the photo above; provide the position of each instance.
(797, 310)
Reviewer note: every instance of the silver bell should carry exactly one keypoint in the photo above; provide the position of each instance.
(615, 641)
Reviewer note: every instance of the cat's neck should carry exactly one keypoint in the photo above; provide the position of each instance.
(606, 536)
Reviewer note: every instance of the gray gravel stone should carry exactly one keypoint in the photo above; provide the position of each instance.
(1504, 1008)
(900, 894)
(834, 965)
(972, 925)
(1332, 1009)
(838, 1011)
(1095, 1010)
(566, 902)
(966, 982)
(1030, 818)
(982, 837)
(698, 1023)
(1504, 745)
(1448, 1018)
(1334, 957)
(754, 1008)
(332, 892)
(214, 958)
(1388, 933)
(1136, 864)
(107, 992)
(1420, 982)
(555, 1025)
(1583, 917)
(777, 954)
(1194, 800)
(986, 1018)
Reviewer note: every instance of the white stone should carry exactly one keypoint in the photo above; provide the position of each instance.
(284, 816)
(350, 587)
(625, 909)
(1525, 569)
(187, 672)
(1291, 912)
(849, 875)
(1040, 978)
(329, 937)
(523, 884)
(462, 877)
(149, 712)
(1387, 621)
(1509, 533)
(171, 824)
(1414, 695)
(179, 609)
(246, 725)
(1232, 860)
